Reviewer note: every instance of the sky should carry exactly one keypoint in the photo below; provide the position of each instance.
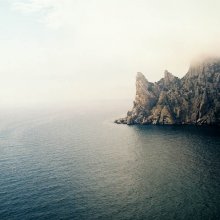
(64, 51)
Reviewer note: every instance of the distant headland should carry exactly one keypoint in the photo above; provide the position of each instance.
(193, 99)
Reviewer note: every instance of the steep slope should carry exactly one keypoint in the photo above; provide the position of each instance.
(194, 99)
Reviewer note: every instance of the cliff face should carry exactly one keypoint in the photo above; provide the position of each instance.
(194, 99)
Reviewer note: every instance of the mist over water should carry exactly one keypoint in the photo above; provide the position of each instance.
(70, 161)
(77, 164)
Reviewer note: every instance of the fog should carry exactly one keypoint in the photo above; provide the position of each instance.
(56, 52)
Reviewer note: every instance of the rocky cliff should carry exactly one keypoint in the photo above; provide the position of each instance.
(193, 99)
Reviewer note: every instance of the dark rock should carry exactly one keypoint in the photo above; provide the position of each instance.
(194, 99)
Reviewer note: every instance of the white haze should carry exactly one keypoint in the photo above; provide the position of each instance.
(63, 51)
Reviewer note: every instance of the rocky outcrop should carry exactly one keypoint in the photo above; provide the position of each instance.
(194, 99)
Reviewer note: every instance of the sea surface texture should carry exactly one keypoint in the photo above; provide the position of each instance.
(80, 165)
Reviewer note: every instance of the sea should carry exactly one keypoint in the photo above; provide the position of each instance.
(73, 162)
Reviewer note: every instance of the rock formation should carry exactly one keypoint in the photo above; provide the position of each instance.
(193, 99)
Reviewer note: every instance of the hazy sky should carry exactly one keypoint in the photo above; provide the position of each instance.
(54, 51)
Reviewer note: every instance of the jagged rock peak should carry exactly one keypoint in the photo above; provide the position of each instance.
(194, 99)
(144, 96)
(140, 76)
(168, 77)
(141, 82)
(167, 74)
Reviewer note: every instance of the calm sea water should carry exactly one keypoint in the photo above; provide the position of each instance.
(79, 165)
